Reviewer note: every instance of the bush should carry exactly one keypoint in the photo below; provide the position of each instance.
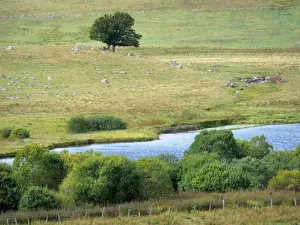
(79, 124)
(217, 141)
(36, 198)
(286, 180)
(5, 132)
(9, 196)
(19, 133)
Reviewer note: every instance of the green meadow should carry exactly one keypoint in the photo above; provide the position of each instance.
(214, 41)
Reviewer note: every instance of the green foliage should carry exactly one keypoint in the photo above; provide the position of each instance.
(257, 147)
(286, 180)
(155, 178)
(79, 124)
(37, 198)
(36, 166)
(9, 195)
(254, 169)
(105, 179)
(217, 141)
(5, 132)
(115, 30)
(19, 133)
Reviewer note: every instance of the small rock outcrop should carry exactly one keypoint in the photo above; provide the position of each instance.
(104, 81)
(11, 47)
(75, 50)
(131, 54)
(175, 64)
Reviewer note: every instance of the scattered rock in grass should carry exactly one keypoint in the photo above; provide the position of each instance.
(104, 81)
(18, 88)
(2, 75)
(237, 91)
(75, 50)
(75, 93)
(3, 89)
(31, 84)
(33, 78)
(49, 78)
(131, 54)
(173, 62)
(232, 84)
(122, 72)
(11, 98)
(273, 79)
(8, 77)
(11, 47)
(298, 43)
(179, 66)
(217, 77)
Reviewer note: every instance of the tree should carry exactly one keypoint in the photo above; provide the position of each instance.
(37, 166)
(36, 198)
(115, 30)
(102, 180)
(285, 179)
(218, 141)
(9, 195)
(155, 178)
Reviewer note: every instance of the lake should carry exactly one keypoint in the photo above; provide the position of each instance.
(282, 137)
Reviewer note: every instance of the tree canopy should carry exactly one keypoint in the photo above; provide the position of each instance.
(115, 30)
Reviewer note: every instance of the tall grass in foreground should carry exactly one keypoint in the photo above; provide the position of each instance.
(185, 203)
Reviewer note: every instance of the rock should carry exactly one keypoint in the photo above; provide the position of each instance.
(75, 50)
(75, 93)
(3, 89)
(218, 77)
(11, 47)
(179, 66)
(273, 79)
(237, 91)
(131, 54)
(173, 62)
(232, 84)
(2, 75)
(122, 72)
(104, 81)
(49, 78)
(33, 78)
(18, 88)
(298, 43)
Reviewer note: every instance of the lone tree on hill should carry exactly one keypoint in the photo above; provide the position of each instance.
(115, 30)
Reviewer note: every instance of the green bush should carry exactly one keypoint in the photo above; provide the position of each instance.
(19, 133)
(9, 195)
(286, 180)
(221, 142)
(36, 198)
(5, 132)
(79, 124)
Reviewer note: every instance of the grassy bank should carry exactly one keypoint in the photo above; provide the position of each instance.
(196, 205)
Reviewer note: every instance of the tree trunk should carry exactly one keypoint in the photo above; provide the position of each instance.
(108, 46)
(113, 48)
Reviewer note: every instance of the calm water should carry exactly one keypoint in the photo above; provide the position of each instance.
(285, 136)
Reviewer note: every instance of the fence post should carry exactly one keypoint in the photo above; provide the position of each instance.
(271, 203)
(169, 210)
(209, 207)
(59, 220)
(7, 221)
(237, 204)
(150, 211)
(128, 212)
(16, 222)
(28, 222)
(85, 215)
(295, 202)
(119, 211)
(102, 213)
(47, 219)
(223, 204)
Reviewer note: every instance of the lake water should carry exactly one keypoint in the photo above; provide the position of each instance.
(283, 137)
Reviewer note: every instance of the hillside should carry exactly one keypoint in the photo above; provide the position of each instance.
(215, 41)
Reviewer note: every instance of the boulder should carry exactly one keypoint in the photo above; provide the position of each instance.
(104, 81)
(3, 89)
(131, 54)
(75, 50)
(49, 78)
(11, 47)
(179, 66)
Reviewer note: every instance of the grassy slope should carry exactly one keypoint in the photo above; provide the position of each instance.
(246, 42)
(278, 216)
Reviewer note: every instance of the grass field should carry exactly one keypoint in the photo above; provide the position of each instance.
(243, 38)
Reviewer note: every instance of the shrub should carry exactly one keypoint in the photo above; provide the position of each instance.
(36, 198)
(5, 132)
(9, 196)
(285, 179)
(218, 141)
(19, 133)
(79, 124)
